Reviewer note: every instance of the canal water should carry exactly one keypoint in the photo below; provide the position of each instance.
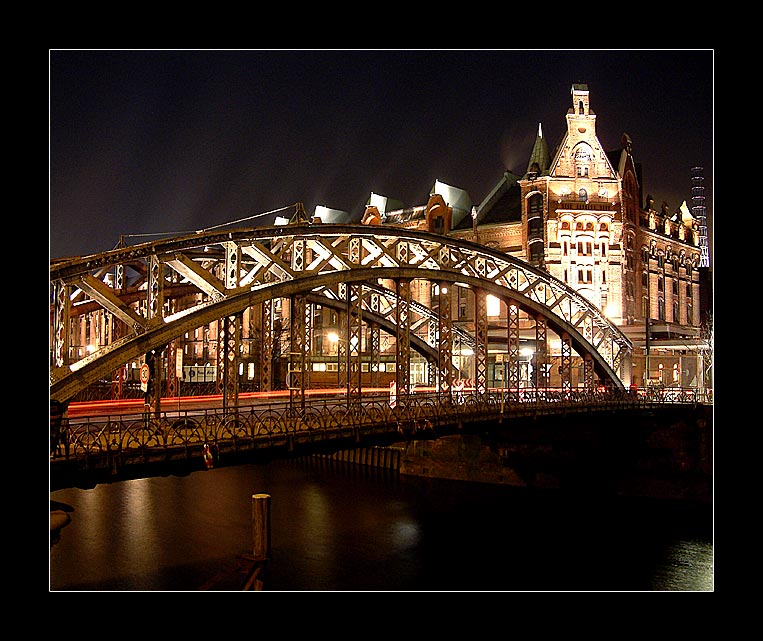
(340, 527)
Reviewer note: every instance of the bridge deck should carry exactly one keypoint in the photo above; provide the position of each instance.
(106, 449)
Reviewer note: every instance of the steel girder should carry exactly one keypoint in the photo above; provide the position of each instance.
(327, 256)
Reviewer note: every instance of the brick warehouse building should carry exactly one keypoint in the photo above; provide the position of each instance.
(580, 214)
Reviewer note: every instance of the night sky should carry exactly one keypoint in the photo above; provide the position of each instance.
(154, 142)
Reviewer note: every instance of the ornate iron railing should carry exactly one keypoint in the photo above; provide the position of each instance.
(115, 441)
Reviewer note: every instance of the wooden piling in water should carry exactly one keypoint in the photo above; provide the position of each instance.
(261, 526)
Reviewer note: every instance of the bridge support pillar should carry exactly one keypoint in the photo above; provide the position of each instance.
(61, 317)
(266, 343)
(480, 342)
(565, 369)
(153, 395)
(297, 352)
(540, 374)
(374, 337)
(403, 338)
(354, 345)
(227, 359)
(444, 340)
(512, 312)
(588, 378)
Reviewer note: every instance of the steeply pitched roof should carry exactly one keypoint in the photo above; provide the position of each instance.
(539, 158)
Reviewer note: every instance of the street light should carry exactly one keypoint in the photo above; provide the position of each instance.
(335, 339)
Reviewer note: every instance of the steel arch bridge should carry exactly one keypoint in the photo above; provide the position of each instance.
(365, 272)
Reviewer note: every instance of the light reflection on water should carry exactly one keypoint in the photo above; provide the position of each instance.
(339, 527)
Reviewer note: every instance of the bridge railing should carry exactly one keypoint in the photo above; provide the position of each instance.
(182, 434)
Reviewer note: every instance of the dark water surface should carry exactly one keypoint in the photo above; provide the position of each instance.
(338, 527)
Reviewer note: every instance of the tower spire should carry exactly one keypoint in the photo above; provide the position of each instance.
(539, 158)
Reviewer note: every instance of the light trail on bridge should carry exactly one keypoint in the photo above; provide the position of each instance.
(92, 409)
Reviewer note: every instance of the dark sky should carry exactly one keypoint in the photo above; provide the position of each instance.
(148, 142)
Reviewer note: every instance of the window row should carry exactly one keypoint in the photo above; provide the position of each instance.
(585, 276)
(646, 312)
(584, 248)
(589, 226)
(661, 285)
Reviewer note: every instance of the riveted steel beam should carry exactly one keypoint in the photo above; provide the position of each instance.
(103, 294)
(512, 318)
(191, 270)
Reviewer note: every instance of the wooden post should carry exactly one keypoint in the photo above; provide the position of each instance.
(261, 527)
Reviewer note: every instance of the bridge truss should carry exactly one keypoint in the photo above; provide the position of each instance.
(152, 294)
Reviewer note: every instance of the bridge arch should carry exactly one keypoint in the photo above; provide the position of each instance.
(282, 262)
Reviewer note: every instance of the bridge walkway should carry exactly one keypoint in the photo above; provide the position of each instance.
(107, 449)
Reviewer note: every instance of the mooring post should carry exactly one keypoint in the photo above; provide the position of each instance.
(261, 526)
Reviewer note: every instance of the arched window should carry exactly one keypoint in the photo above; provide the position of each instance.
(535, 205)
(583, 157)
(582, 195)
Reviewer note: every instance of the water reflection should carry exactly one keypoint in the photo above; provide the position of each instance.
(340, 527)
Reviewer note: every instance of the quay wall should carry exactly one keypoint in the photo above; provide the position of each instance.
(659, 454)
